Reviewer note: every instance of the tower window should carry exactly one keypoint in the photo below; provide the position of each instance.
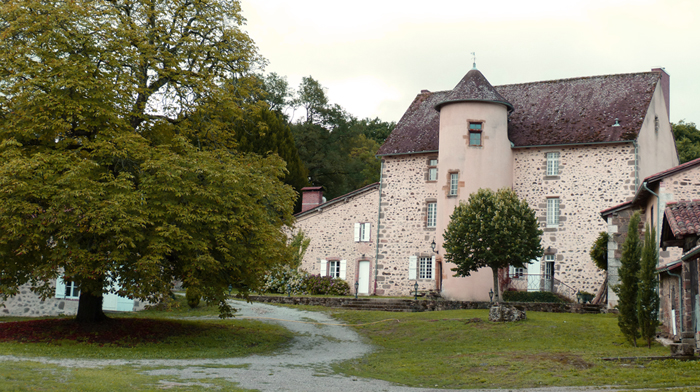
(475, 133)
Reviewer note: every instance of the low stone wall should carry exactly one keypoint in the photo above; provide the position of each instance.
(422, 305)
(28, 304)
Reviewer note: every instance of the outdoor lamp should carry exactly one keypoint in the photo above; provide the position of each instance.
(433, 245)
(415, 288)
(490, 295)
(357, 285)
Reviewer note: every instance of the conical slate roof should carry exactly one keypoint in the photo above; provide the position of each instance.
(474, 88)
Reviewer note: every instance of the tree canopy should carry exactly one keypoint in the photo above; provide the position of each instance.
(599, 251)
(687, 141)
(492, 229)
(117, 160)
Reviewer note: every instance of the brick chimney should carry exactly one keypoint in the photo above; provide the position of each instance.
(311, 197)
(665, 87)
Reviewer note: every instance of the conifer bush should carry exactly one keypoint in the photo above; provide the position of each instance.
(647, 297)
(626, 290)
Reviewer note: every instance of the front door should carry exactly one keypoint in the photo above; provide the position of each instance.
(363, 277)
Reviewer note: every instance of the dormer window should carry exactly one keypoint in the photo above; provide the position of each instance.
(475, 133)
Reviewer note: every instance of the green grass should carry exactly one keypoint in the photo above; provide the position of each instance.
(461, 349)
(34, 376)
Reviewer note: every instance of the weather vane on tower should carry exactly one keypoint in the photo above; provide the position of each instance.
(474, 58)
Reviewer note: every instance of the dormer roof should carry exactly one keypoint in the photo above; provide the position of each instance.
(474, 88)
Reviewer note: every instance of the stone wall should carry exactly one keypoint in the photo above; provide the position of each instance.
(669, 295)
(420, 305)
(403, 230)
(28, 304)
(590, 179)
(331, 229)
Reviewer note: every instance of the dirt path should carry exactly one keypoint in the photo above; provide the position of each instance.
(304, 366)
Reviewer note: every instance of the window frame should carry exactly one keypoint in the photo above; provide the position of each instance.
(431, 214)
(553, 211)
(334, 268)
(475, 131)
(432, 169)
(363, 232)
(425, 267)
(553, 158)
(454, 184)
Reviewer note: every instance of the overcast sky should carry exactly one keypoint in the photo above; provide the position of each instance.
(375, 56)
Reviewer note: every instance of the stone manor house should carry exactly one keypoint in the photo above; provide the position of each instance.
(570, 147)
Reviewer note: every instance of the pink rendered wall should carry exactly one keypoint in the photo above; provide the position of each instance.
(486, 166)
(657, 148)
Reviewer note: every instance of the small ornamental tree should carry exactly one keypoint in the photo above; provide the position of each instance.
(626, 290)
(647, 297)
(492, 229)
(599, 251)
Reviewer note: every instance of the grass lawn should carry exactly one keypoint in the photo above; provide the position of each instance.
(462, 349)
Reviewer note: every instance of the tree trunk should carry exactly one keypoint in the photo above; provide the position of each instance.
(496, 287)
(90, 309)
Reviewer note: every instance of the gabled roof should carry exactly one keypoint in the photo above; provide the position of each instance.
(620, 207)
(557, 112)
(642, 193)
(683, 218)
(338, 199)
(474, 88)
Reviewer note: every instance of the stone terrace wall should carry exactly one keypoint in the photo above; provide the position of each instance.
(332, 230)
(591, 178)
(402, 231)
(418, 306)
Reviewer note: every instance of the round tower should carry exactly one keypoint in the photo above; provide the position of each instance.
(474, 153)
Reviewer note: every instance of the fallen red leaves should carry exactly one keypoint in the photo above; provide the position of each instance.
(117, 332)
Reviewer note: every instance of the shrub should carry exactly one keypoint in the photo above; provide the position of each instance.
(531, 296)
(193, 296)
(277, 281)
(326, 285)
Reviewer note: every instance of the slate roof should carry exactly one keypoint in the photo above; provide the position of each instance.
(565, 111)
(338, 199)
(683, 217)
(474, 88)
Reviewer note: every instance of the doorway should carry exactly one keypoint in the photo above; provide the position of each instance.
(363, 277)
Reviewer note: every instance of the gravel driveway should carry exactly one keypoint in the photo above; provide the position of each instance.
(304, 366)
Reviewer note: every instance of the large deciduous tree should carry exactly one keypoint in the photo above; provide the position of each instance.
(626, 290)
(116, 163)
(492, 229)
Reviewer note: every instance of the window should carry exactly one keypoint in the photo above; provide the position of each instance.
(421, 268)
(552, 163)
(432, 214)
(454, 183)
(553, 212)
(432, 170)
(425, 268)
(475, 133)
(67, 289)
(333, 268)
(362, 232)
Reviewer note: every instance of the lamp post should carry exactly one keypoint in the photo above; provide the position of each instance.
(491, 295)
(415, 288)
(289, 290)
(357, 285)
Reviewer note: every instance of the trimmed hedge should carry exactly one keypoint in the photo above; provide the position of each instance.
(531, 296)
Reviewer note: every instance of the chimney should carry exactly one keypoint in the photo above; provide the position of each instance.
(666, 88)
(311, 197)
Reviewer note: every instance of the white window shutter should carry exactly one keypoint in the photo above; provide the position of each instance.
(357, 232)
(365, 233)
(433, 274)
(324, 267)
(60, 288)
(412, 266)
(343, 264)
